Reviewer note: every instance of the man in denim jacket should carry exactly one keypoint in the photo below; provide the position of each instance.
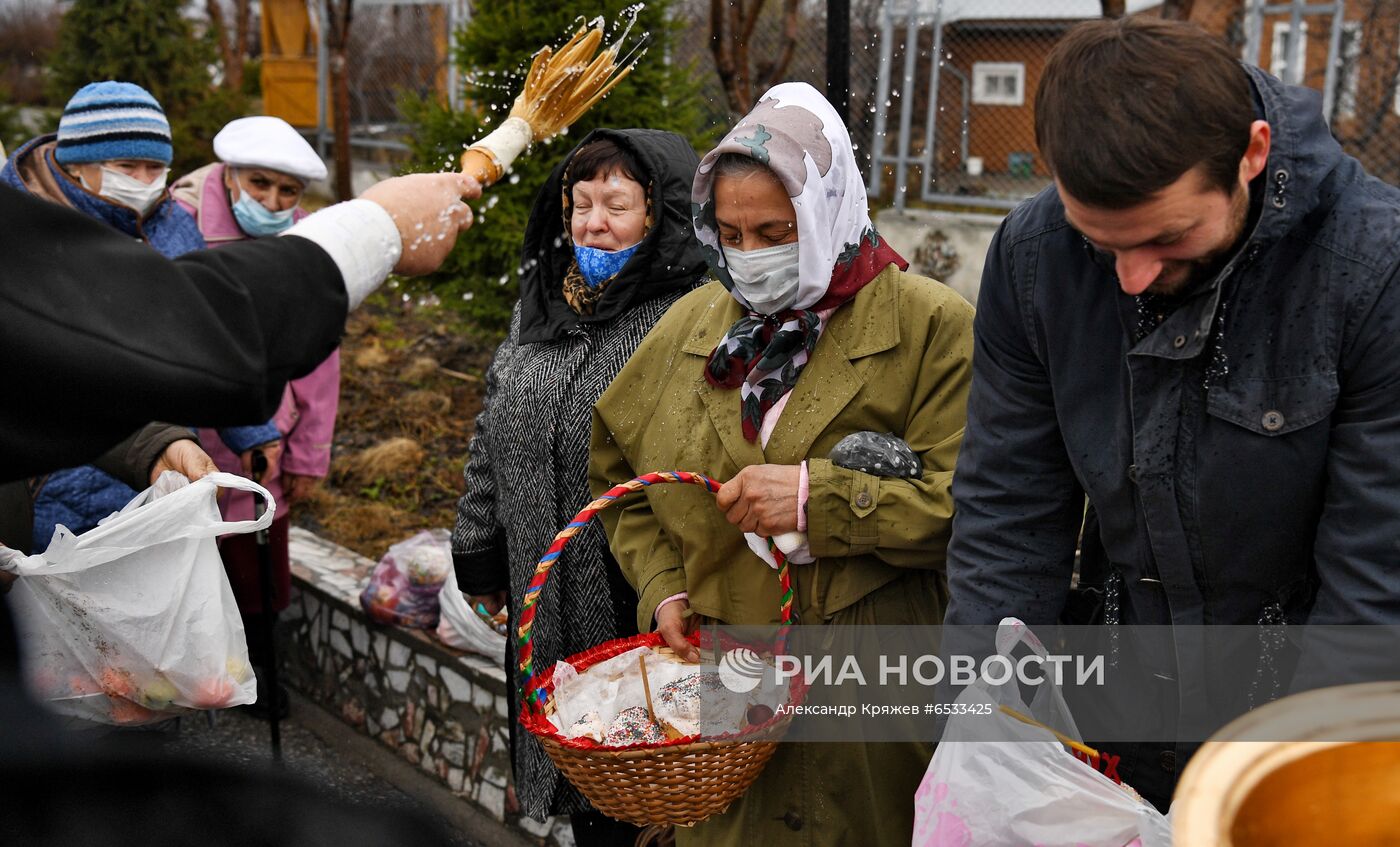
(1198, 327)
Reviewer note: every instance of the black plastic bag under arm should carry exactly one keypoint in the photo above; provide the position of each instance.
(877, 453)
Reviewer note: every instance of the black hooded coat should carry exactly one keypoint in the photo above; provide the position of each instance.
(527, 474)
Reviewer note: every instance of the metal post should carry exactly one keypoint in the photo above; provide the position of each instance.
(271, 693)
(322, 74)
(454, 94)
(838, 57)
(966, 110)
(1253, 31)
(935, 73)
(1296, 51)
(906, 108)
(882, 96)
(1334, 49)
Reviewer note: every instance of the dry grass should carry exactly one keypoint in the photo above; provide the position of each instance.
(421, 368)
(359, 522)
(426, 403)
(395, 460)
(370, 356)
(402, 432)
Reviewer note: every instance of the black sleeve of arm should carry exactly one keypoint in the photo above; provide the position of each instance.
(1019, 507)
(480, 551)
(102, 334)
(132, 459)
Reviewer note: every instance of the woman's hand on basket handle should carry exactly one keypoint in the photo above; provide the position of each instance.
(674, 623)
(493, 602)
(762, 499)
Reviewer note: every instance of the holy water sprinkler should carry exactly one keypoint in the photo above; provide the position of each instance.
(561, 85)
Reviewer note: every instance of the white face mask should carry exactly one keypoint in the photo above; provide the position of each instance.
(766, 278)
(130, 191)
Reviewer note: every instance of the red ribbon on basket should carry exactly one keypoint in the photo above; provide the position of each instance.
(537, 697)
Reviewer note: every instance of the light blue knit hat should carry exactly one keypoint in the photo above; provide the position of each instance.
(112, 120)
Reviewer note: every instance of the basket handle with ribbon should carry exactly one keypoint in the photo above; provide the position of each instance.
(605, 500)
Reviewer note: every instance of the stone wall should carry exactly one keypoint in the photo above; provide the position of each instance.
(951, 247)
(438, 708)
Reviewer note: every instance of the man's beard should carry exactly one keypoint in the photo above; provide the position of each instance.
(1180, 276)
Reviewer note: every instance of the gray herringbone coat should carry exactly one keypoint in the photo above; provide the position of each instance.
(527, 473)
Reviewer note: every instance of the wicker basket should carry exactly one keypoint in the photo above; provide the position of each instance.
(681, 782)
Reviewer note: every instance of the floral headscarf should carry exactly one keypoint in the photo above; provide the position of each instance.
(796, 133)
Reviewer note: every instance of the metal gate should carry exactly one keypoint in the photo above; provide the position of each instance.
(954, 118)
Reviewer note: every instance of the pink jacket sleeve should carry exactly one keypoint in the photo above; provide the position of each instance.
(307, 418)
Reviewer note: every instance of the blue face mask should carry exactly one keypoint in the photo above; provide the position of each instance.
(254, 218)
(598, 265)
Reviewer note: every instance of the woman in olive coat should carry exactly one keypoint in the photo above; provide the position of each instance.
(813, 332)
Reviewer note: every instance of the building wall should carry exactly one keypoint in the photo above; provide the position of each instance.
(1366, 119)
(289, 62)
(1223, 17)
(1369, 129)
(995, 132)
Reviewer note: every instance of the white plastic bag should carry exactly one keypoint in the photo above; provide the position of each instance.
(997, 782)
(134, 621)
(403, 588)
(461, 627)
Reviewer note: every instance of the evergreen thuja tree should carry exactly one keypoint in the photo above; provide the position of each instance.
(150, 43)
(492, 51)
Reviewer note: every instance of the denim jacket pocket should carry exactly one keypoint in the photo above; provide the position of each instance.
(1274, 407)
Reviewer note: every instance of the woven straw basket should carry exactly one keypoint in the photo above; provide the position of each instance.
(680, 782)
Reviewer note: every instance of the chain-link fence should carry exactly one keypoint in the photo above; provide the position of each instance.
(1350, 51)
(976, 146)
(983, 145)
(397, 48)
(957, 131)
(960, 129)
(768, 43)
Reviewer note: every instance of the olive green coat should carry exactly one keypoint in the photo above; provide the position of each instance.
(894, 359)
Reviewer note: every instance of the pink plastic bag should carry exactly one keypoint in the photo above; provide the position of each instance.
(997, 782)
(403, 589)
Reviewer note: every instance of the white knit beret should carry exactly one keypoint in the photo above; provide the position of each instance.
(263, 141)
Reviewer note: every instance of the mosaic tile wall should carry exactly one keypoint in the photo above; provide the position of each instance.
(439, 708)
